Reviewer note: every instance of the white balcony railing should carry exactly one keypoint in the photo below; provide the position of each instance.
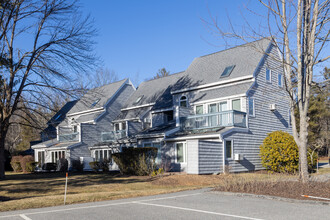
(112, 135)
(68, 137)
(213, 120)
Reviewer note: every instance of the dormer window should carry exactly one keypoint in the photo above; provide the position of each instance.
(95, 102)
(227, 71)
(183, 101)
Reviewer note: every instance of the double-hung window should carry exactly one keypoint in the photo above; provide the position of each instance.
(236, 104)
(181, 153)
(229, 149)
(213, 119)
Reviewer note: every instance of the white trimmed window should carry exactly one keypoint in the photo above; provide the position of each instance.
(280, 80)
(251, 107)
(236, 104)
(229, 149)
(100, 155)
(181, 153)
(183, 101)
(56, 155)
(199, 109)
(268, 75)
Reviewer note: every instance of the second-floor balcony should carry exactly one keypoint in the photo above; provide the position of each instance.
(69, 137)
(112, 135)
(213, 120)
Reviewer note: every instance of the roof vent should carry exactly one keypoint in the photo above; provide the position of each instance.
(227, 71)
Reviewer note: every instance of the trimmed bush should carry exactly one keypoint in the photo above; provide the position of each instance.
(77, 165)
(95, 165)
(279, 153)
(62, 165)
(136, 161)
(16, 163)
(27, 159)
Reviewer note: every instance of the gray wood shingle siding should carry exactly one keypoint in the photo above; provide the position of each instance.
(265, 120)
(91, 133)
(210, 157)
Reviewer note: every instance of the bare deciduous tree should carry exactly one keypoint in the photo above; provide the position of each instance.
(103, 76)
(44, 44)
(300, 31)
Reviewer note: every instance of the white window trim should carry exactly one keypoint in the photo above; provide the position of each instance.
(185, 100)
(270, 75)
(232, 149)
(254, 107)
(195, 108)
(282, 78)
(184, 152)
(240, 104)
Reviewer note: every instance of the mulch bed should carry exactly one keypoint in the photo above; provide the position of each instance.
(286, 189)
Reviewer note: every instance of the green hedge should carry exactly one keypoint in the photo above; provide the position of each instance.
(136, 161)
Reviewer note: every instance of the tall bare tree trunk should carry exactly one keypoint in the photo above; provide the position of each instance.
(2, 154)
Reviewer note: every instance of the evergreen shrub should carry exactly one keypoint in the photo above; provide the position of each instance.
(279, 153)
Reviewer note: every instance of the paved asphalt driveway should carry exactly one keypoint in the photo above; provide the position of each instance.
(196, 204)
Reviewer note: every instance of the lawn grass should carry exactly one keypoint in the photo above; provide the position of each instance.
(23, 191)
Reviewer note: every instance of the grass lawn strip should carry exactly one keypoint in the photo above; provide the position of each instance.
(23, 191)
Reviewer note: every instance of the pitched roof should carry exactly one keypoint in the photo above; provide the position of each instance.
(61, 114)
(152, 90)
(208, 69)
(98, 97)
(203, 70)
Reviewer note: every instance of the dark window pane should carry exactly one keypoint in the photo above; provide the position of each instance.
(228, 149)
(227, 71)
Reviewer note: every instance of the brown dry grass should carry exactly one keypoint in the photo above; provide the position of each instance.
(22, 191)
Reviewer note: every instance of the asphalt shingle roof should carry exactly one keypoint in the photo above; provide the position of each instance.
(246, 57)
(203, 70)
(99, 96)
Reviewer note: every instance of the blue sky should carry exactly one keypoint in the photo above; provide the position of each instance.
(136, 38)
